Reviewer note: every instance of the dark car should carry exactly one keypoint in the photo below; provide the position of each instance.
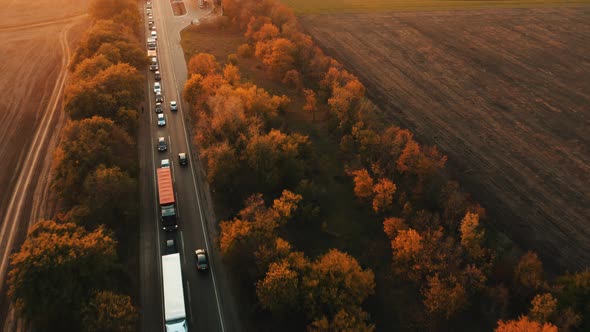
(171, 247)
(183, 159)
(162, 145)
(159, 98)
(159, 108)
(202, 261)
(157, 75)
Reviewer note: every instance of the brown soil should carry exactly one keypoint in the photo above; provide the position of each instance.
(35, 37)
(178, 7)
(504, 92)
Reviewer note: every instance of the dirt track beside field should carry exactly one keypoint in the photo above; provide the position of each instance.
(37, 38)
(504, 92)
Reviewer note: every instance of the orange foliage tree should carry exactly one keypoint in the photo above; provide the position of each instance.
(336, 281)
(108, 311)
(363, 184)
(523, 324)
(54, 270)
(529, 272)
(277, 55)
(383, 199)
(203, 64)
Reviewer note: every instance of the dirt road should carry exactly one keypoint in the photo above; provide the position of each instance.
(504, 92)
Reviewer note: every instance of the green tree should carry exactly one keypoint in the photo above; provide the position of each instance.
(55, 268)
(109, 312)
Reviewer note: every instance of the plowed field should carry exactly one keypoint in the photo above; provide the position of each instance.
(504, 92)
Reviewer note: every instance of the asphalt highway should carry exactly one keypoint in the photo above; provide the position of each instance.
(206, 303)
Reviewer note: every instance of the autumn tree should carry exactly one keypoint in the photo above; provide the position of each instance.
(383, 195)
(203, 64)
(100, 33)
(310, 102)
(293, 79)
(123, 12)
(279, 291)
(85, 145)
(222, 165)
(392, 226)
(523, 324)
(255, 23)
(266, 32)
(231, 74)
(276, 159)
(110, 194)
(543, 307)
(276, 55)
(286, 205)
(90, 67)
(444, 296)
(336, 281)
(107, 311)
(573, 291)
(346, 319)
(363, 184)
(472, 235)
(53, 271)
(118, 86)
(192, 90)
(529, 272)
(256, 225)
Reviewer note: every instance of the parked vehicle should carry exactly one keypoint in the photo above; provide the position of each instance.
(157, 87)
(157, 75)
(159, 98)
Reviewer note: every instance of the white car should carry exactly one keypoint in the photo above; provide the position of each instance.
(154, 34)
(157, 87)
(173, 105)
(161, 120)
(165, 163)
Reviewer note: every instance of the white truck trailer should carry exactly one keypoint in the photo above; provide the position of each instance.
(174, 312)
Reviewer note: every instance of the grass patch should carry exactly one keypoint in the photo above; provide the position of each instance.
(332, 6)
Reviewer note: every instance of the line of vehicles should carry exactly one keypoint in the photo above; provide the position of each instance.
(172, 282)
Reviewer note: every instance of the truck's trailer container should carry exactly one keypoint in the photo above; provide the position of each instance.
(174, 311)
(166, 199)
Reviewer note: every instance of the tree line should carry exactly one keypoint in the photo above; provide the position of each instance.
(72, 273)
(451, 272)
